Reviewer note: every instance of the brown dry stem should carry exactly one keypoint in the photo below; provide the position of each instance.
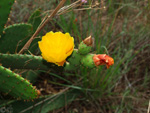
(26, 46)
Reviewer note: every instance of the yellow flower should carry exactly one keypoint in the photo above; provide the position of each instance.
(56, 47)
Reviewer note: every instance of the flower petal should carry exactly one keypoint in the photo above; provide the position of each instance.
(56, 47)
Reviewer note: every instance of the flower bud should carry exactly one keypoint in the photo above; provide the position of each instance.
(88, 41)
(85, 46)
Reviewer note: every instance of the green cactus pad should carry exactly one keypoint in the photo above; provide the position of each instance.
(73, 61)
(69, 67)
(87, 61)
(19, 61)
(15, 37)
(75, 58)
(16, 86)
(35, 19)
(46, 104)
(84, 49)
(5, 7)
(31, 75)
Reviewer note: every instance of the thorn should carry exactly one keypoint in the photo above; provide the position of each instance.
(4, 32)
(38, 92)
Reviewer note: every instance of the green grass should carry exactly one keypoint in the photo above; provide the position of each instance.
(122, 32)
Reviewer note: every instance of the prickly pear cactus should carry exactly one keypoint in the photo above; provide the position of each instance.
(14, 37)
(18, 61)
(13, 84)
(85, 46)
(87, 61)
(5, 7)
(84, 49)
(35, 19)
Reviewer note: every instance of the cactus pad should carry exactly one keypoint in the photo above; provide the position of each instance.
(84, 49)
(87, 61)
(5, 7)
(18, 61)
(35, 19)
(14, 37)
(16, 86)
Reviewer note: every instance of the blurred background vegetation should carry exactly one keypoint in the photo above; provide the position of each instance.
(121, 28)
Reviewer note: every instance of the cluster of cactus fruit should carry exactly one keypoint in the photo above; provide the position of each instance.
(12, 40)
